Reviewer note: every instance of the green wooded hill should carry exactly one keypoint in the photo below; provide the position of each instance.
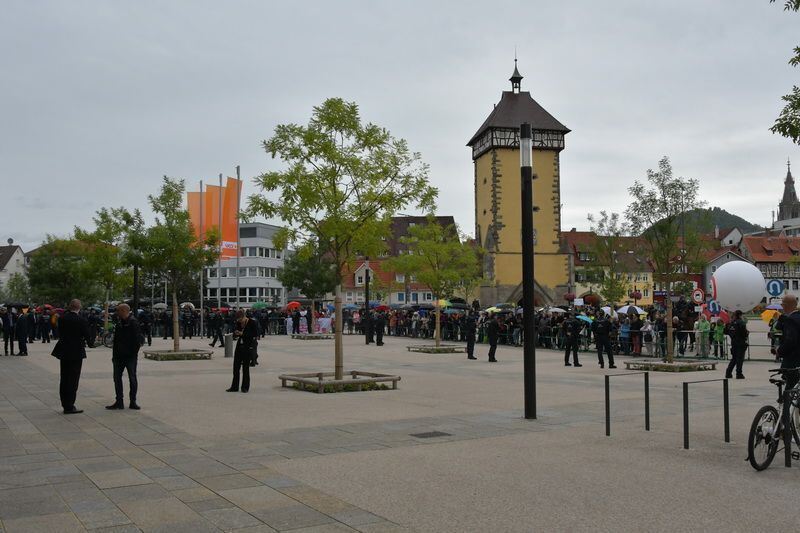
(706, 219)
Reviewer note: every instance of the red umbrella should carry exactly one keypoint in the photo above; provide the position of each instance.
(292, 305)
(382, 308)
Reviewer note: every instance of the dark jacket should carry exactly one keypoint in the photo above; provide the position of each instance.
(22, 327)
(247, 338)
(738, 332)
(493, 331)
(73, 336)
(789, 348)
(127, 339)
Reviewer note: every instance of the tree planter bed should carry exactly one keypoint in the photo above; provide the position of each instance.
(312, 336)
(442, 348)
(356, 380)
(180, 355)
(676, 366)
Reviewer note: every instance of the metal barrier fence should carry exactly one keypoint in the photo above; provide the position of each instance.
(646, 399)
(725, 409)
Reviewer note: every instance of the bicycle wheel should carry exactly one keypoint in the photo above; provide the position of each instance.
(108, 339)
(762, 443)
(794, 414)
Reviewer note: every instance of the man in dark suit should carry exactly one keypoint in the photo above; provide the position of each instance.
(73, 337)
(380, 326)
(7, 320)
(493, 332)
(124, 355)
(22, 333)
(296, 322)
(246, 335)
(470, 333)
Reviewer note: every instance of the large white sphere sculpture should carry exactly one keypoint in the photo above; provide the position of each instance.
(738, 285)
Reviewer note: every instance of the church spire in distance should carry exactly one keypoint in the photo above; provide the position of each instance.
(516, 78)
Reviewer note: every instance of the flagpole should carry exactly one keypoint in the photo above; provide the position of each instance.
(219, 257)
(202, 269)
(238, 251)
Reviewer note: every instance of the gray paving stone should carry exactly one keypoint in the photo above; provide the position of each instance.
(196, 494)
(208, 505)
(232, 518)
(152, 514)
(102, 519)
(253, 498)
(118, 478)
(280, 482)
(11, 509)
(60, 522)
(176, 482)
(357, 517)
(292, 517)
(136, 493)
(229, 481)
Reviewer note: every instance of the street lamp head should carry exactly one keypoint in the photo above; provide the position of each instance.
(525, 155)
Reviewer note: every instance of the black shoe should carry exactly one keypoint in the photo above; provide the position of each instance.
(134, 406)
(379, 344)
(740, 376)
(471, 357)
(116, 405)
(492, 360)
(212, 345)
(72, 411)
(612, 366)
(245, 390)
(577, 364)
(567, 364)
(728, 376)
(231, 390)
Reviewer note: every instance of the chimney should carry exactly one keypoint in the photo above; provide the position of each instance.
(716, 231)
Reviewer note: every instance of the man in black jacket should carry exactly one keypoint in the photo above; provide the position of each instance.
(6, 321)
(789, 349)
(470, 328)
(737, 330)
(493, 332)
(22, 333)
(125, 355)
(572, 332)
(70, 350)
(602, 339)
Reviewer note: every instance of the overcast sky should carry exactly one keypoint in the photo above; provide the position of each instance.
(99, 99)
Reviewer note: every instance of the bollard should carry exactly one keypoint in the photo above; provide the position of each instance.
(787, 429)
(646, 399)
(228, 345)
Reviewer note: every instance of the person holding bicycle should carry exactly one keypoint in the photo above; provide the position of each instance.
(789, 348)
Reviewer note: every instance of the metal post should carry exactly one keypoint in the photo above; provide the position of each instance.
(529, 336)
(608, 406)
(238, 250)
(685, 416)
(219, 257)
(725, 408)
(202, 269)
(647, 401)
(787, 429)
(366, 319)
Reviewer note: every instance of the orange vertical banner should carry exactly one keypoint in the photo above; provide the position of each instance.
(193, 199)
(230, 218)
(213, 197)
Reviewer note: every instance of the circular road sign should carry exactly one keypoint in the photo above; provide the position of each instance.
(698, 296)
(775, 287)
(714, 307)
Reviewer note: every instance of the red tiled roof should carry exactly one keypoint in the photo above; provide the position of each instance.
(386, 277)
(771, 249)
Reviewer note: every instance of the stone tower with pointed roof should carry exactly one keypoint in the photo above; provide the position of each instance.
(495, 154)
(789, 206)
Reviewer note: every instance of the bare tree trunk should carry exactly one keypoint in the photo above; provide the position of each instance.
(337, 342)
(176, 338)
(105, 314)
(438, 324)
(313, 317)
(670, 344)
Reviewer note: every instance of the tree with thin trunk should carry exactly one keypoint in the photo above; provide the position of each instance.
(343, 182)
(608, 256)
(656, 212)
(171, 248)
(438, 259)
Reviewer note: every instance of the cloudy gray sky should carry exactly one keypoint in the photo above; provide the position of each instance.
(99, 99)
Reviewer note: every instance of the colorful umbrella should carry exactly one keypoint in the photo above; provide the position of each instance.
(382, 308)
(584, 318)
(350, 306)
(260, 305)
(444, 303)
(776, 307)
(631, 309)
(292, 305)
(768, 315)
(453, 311)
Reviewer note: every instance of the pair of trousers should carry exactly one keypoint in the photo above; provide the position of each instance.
(492, 350)
(241, 362)
(471, 346)
(604, 345)
(22, 344)
(120, 366)
(737, 360)
(571, 344)
(70, 377)
(218, 337)
(8, 338)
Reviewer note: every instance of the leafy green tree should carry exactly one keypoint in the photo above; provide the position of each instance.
(788, 122)
(656, 210)
(343, 182)
(472, 276)
(438, 258)
(608, 252)
(17, 288)
(170, 248)
(311, 272)
(59, 271)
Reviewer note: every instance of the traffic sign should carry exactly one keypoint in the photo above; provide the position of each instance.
(714, 307)
(775, 287)
(698, 296)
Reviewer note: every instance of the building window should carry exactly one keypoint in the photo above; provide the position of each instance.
(223, 272)
(252, 272)
(212, 272)
(359, 280)
(646, 293)
(794, 285)
(713, 268)
(415, 297)
(401, 296)
(399, 278)
(428, 297)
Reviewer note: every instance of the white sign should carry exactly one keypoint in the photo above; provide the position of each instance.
(578, 302)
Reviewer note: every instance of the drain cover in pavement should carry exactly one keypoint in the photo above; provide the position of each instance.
(751, 395)
(431, 435)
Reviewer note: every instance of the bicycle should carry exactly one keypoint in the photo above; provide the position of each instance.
(767, 431)
(106, 338)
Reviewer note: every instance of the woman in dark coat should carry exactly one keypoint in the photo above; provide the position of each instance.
(246, 335)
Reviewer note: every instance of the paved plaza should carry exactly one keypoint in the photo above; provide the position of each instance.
(197, 458)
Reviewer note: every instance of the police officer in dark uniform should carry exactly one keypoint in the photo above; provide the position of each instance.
(737, 330)
(217, 322)
(602, 338)
(146, 325)
(572, 332)
(470, 327)
(380, 327)
(369, 326)
(493, 333)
